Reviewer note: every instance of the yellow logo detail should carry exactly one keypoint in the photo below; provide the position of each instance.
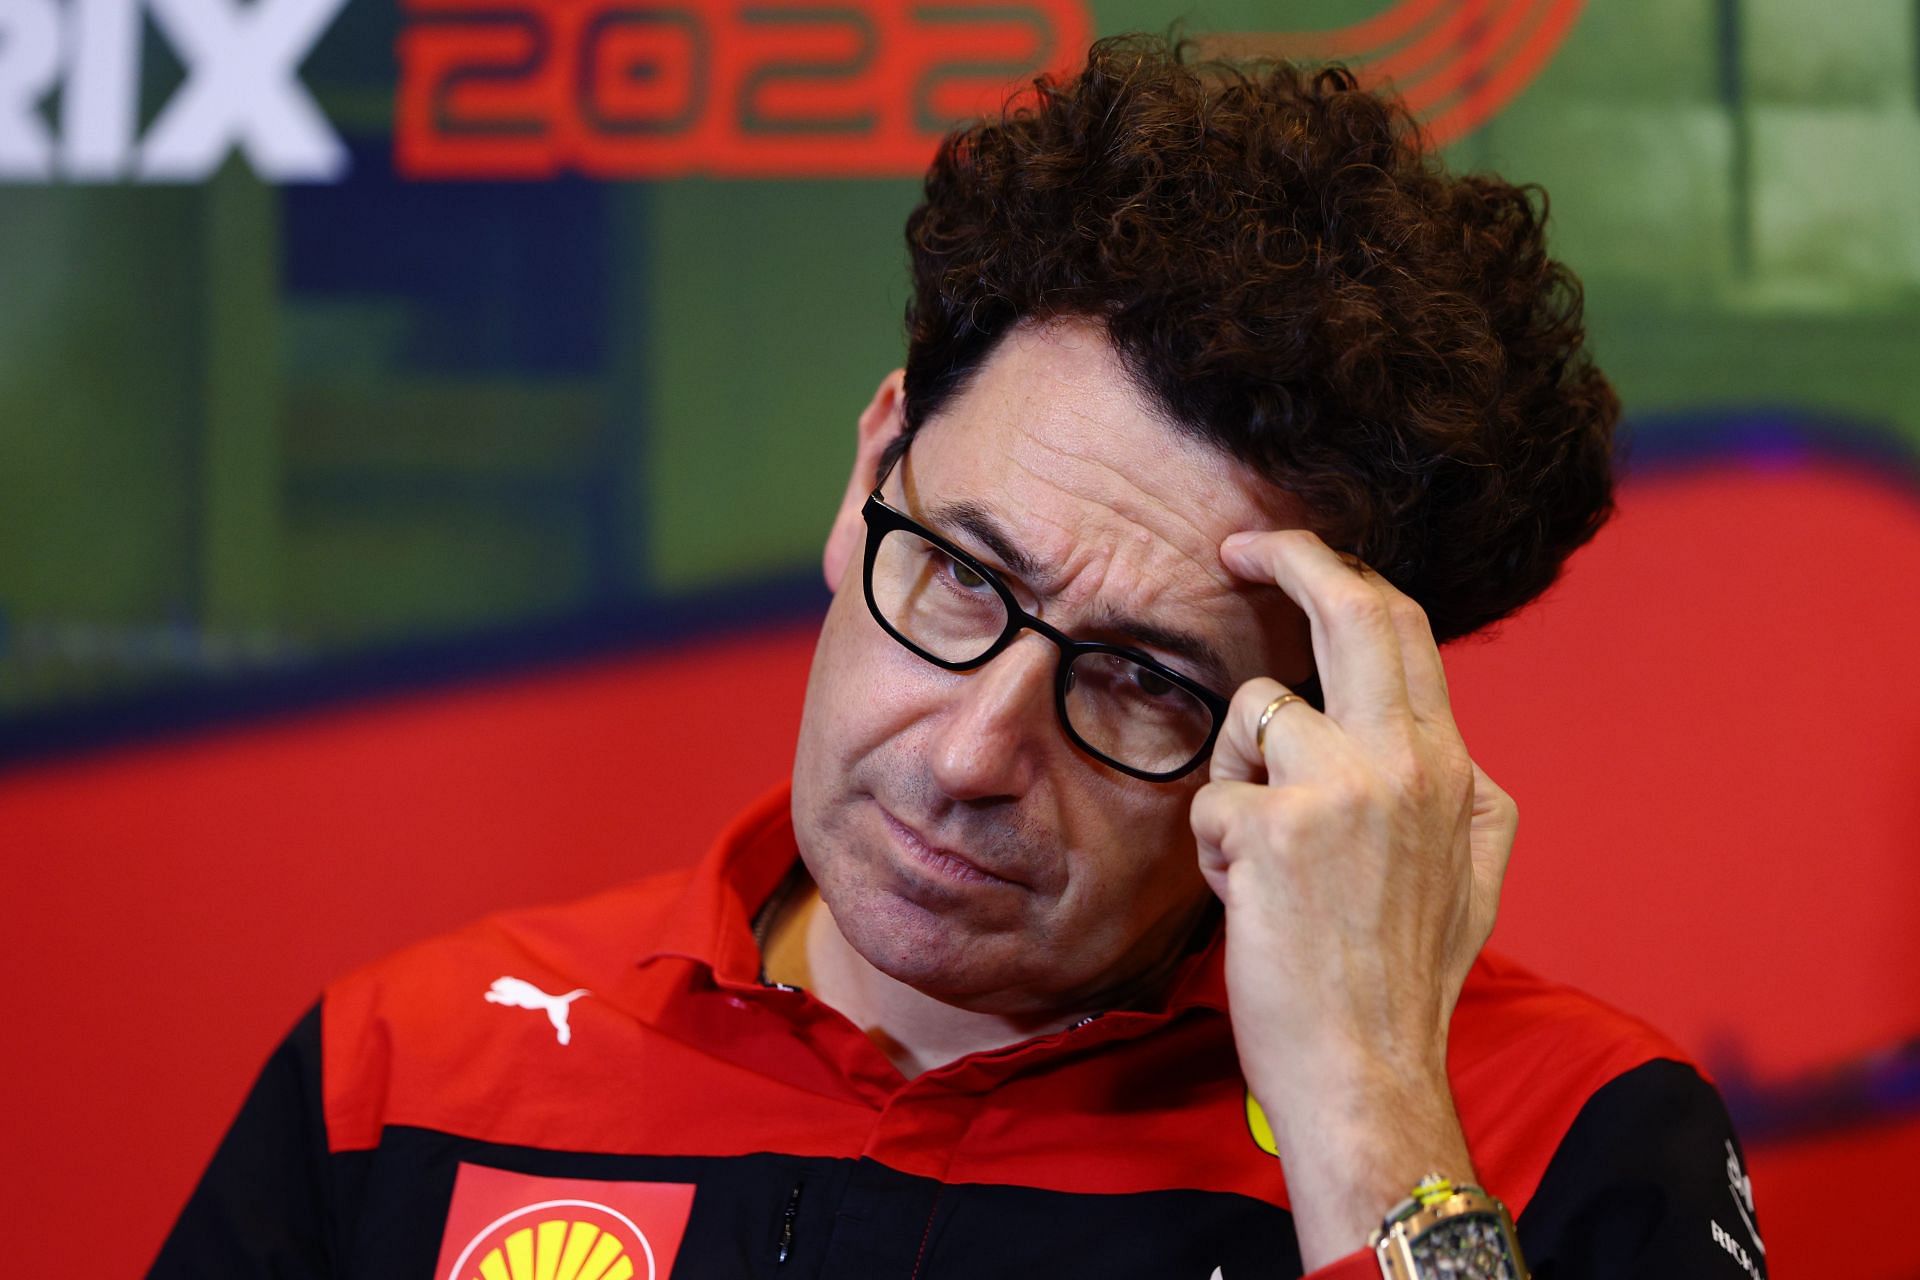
(557, 1250)
(1257, 1125)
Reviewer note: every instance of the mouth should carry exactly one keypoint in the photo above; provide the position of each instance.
(949, 863)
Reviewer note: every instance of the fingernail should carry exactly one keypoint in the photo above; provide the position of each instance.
(1236, 540)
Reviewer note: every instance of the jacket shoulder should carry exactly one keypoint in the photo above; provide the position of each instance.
(1508, 1014)
(444, 1021)
(1525, 1056)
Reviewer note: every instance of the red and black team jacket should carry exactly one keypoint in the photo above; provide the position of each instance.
(608, 1090)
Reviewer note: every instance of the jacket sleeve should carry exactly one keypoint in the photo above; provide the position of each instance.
(1649, 1183)
(261, 1208)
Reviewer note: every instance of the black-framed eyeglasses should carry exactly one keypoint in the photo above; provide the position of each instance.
(1117, 704)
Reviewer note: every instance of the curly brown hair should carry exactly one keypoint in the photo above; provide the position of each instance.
(1287, 272)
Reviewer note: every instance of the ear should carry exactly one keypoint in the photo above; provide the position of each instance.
(879, 424)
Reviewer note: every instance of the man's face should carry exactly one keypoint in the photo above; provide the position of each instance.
(963, 845)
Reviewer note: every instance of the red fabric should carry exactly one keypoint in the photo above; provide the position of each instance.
(679, 1017)
(674, 973)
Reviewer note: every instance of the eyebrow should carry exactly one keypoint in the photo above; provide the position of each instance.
(975, 519)
(1183, 644)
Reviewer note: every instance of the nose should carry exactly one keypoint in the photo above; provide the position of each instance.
(1001, 724)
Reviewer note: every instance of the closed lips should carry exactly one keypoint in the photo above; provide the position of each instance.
(945, 859)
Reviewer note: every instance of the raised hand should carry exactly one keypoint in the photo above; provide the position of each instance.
(1359, 853)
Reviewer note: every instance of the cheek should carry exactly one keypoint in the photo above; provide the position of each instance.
(1150, 863)
(862, 689)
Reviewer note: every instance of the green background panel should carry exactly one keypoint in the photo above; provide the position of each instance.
(204, 470)
(775, 310)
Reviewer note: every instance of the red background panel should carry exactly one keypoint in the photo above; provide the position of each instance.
(1712, 727)
(175, 908)
(1713, 730)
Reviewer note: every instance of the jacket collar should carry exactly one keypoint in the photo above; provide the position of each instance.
(712, 924)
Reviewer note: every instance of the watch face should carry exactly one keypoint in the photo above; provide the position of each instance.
(1466, 1246)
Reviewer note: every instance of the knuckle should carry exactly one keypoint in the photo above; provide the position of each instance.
(1403, 759)
(1345, 792)
(1280, 821)
(1507, 808)
(1406, 611)
(1251, 698)
(1362, 606)
(1416, 773)
(1447, 765)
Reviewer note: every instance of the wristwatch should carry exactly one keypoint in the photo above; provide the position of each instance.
(1448, 1231)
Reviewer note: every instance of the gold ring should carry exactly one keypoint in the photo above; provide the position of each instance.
(1260, 730)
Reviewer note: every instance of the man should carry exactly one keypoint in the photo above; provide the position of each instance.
(1125, 914)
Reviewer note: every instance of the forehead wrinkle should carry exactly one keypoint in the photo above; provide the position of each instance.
(1091, 565)
(1140, 532)
(1094, 483)
(1172, 553)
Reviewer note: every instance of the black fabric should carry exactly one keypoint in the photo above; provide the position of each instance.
(263, 1208)
(1643, 1186)
(1636, 1190)
(853, 1218)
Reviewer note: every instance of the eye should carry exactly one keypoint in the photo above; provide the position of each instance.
(1152, 683)
(964, 576)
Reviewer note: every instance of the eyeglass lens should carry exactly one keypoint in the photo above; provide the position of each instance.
(1131, 714)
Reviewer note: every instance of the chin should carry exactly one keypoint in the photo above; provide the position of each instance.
(922, 950)
(905, 941)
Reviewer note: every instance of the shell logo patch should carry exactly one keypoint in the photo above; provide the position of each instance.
(517, 1226)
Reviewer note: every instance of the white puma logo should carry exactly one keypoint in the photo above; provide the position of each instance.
(518, 993)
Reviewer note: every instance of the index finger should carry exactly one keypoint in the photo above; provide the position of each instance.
(1356, 646)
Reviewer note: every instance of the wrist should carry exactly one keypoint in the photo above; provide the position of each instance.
(1352, 1140)
(1336, 1055)
(1354, 1100)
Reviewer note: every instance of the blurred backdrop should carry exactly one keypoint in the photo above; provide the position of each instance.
(419, 418)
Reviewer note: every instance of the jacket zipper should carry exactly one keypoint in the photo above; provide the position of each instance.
(786, 1224)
